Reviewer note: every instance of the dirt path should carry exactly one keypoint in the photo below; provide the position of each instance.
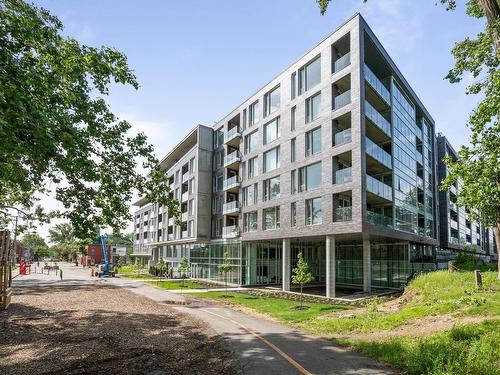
(100, 328)
(425, 326)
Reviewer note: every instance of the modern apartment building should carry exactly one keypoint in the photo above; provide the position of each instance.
(189, 167)
(457, 231)
(335, 158)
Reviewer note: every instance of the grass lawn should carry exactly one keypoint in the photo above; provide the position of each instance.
(431, 294)
(177, 284)
(280, 309)
(139, 276)
(463, 350)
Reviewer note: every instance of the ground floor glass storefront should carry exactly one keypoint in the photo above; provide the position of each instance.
(260, 262)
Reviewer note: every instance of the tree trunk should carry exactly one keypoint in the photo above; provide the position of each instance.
(301, 286)
(496, 235)
(491, 9)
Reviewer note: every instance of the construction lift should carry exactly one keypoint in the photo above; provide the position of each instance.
(104, 270)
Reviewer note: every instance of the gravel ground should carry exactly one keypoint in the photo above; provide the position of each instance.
(98, 328)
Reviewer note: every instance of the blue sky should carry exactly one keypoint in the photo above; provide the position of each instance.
(197, 60)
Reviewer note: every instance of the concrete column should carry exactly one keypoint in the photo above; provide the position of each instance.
(286, 265)
(330, 266)
(367, 269)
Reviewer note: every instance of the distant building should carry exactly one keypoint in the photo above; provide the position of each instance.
(457, 231)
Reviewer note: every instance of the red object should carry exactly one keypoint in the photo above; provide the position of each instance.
(94, 255)
(22, 267)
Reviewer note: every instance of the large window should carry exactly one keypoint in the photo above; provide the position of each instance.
(218, 138)
(250, 195)
(251, 142)
(313, 141)
(253, 167)
(293, 113)
(314, 211)
(272, 101)
(253, 113)
(293, 142)
(313, 107)
(250, 221)
(271, 131)
(271, 218)
(310, 75)
(310, 177)
(272, 188)
(272, 159)
(293, 214)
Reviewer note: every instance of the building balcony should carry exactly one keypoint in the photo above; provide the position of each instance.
(378, 219)
(231, 208)
(184, 216)
(231, 231)
(453, 207)
(342, 137)
(421, 207)
(232, 160)
(453, 224)
(377, 119)
(342, 62)
(171, 221)
(378, 188)
(185, 177)
(233, 137)
(170, 237)
(454, 240)
(342, 100)
(184, 234)
(453, 189)
(343, 214)
(377, 85)
(343, 176)
(377, 153)
(185, 197)
(231, 184)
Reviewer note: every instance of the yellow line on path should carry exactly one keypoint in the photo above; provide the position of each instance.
(289, 359)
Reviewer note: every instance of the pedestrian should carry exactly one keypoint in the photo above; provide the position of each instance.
(60, 274)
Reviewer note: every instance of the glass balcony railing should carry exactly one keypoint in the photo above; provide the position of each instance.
(378, 187)
(343, 175)
(377, 118)
(232, 158)
(453, 189)
(342, 100)
(453, 224)
(343, 137)
(234, 132)
(378, 219)
(378, 153)
(231, 182)
(420, 183)
(231, 231)
(453, 206)
(184, 216)
(454, 240)
(185, 197)
(230, 207)
(377, 85)
(185, 177)
(420, 207)
(342, 62)
(343, 214)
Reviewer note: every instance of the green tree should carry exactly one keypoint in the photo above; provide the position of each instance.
(61, 234)
(183, 268)
(36, 245)
(57, 130)
(301, 275)
(225, 267)
(478, 165)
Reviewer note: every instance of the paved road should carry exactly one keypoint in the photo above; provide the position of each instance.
(263, 347)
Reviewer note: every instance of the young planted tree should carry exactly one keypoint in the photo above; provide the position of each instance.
(301, 275)
(225, 267)
(478, 165)
(183, 268)
(56, 129)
